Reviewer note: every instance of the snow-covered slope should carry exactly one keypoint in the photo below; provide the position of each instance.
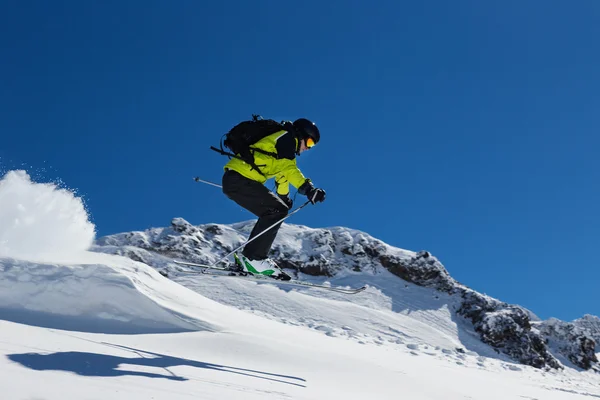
(116, 301)
(242, 354)
(76, 324)
(267, 360)
(401, 283)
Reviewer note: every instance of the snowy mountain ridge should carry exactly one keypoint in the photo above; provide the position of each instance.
(343, 253)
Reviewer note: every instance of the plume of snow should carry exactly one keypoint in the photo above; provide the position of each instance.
(40, 221)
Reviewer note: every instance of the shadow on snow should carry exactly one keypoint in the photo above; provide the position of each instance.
(105, 365)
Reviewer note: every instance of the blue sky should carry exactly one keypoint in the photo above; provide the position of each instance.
(468, 128)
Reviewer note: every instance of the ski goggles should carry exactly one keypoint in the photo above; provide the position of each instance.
(310, 142)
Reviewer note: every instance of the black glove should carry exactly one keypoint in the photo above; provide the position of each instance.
(314, 195)
(287, 200)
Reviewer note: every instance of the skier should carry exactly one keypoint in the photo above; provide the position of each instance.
(274, 157)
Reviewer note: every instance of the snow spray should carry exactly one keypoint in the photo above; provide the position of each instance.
(40, 221)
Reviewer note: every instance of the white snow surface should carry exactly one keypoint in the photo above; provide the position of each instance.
(79, 324)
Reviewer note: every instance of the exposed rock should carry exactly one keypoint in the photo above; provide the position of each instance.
(182, 226)
(507, 328)
(214, 229)
(590, 324)
(571, 340)
(422, 269)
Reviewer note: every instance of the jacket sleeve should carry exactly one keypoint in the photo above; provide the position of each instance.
(289, 174)
(283, 186)
(286, 163)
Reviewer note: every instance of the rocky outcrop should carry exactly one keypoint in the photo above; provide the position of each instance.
(507, 328)
(423, 269)
(590, 324)
(571, 340)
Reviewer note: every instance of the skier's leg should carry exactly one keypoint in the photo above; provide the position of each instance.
(260, 201)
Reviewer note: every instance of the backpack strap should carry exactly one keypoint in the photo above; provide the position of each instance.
(267, 153)
(249, 159)
(246, 160)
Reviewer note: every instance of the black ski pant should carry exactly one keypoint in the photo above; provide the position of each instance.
(260, 201)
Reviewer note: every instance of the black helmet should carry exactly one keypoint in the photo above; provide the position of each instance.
(307, 129)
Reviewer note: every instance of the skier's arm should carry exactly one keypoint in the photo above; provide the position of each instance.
(289, 174)
(286, 150)
(283, 186)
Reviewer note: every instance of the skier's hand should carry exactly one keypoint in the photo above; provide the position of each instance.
(287, 200)
(316, 195)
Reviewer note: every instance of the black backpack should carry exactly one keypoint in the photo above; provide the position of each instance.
(241, 137)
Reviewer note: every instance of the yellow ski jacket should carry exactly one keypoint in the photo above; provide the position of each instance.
(283, 167)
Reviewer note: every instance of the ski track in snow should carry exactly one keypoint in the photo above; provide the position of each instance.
(334, 314)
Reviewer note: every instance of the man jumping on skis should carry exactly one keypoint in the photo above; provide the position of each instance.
(274, 157)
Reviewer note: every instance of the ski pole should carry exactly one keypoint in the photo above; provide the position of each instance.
(256, 237)
(207, 182)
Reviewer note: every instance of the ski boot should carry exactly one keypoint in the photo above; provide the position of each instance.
(236, 268)
(265, 267)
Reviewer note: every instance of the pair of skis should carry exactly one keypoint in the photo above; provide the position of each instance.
(258, 277)
(205, 269)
